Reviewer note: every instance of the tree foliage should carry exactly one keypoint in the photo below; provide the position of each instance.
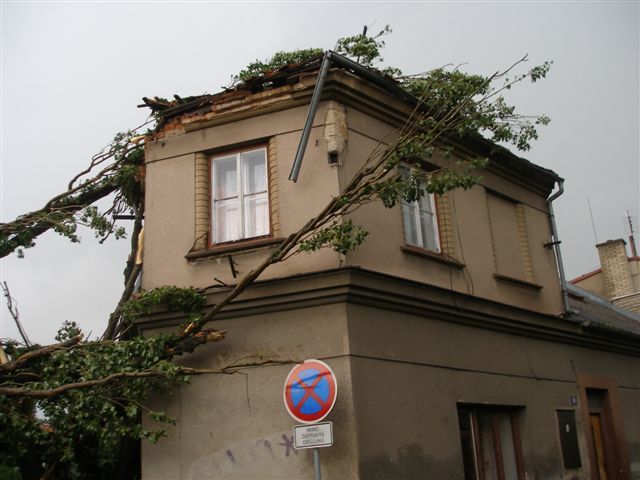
(72, 406)
(115, 170)
(479, 103)
(278, 60)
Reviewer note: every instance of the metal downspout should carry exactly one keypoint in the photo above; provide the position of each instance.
(337, 59)
(556, 246)
(315, 100)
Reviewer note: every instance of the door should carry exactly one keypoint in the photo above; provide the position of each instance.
(602, 434)
(598, 444)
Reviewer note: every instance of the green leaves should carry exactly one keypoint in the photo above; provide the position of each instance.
(540, 71)
(468, 104)
(81, 430)
(365, 49)
(67, 330)
(279, 59)
(84, 424)
(341, 237)
(471, 105)
(188, 300)
(74, 207)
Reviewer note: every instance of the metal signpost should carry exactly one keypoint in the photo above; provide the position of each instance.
(310, 392)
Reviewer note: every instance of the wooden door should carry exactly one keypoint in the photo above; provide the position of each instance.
(598, 444)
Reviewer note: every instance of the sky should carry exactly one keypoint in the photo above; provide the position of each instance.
(73, 73)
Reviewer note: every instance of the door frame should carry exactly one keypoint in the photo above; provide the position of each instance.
(614, 424)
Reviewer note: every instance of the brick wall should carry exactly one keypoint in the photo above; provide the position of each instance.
(615, 268)
(630, 302)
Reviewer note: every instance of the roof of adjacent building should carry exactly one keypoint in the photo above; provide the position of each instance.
(590, 274)
(593, 311)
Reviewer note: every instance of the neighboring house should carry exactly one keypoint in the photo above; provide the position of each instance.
(446, 328)
(618, 278)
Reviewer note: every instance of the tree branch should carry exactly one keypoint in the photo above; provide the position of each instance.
(40, 352)
(52, 392)
(25, 392)
(13, 310)
(23, 230)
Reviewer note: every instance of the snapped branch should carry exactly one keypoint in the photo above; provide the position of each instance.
(39, 353)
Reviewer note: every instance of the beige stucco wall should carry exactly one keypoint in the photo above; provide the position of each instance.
(593, 283)
(471, 231)
(402, 370)
(170, 213)
(403, 362)
(410, 372)
(236, 426)
(169, 223)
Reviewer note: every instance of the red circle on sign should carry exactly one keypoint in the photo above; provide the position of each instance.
(310, 391)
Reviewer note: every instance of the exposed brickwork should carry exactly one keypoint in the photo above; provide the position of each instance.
(493, 242)
(272, 165)
(445, 225)
(615, 268)
(523, 240)
(202, 202)
(631, 303)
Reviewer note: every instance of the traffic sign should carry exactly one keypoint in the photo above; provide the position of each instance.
(313, 436)
(310, 391)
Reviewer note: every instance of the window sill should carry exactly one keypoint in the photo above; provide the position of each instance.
(241, 246)
(517, 281)
(438, 257)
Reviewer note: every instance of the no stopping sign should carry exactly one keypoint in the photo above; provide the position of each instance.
(310, 391)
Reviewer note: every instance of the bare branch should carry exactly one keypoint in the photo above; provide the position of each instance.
(52, 392)
(13, 310)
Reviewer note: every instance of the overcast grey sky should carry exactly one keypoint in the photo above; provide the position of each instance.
(73, 73)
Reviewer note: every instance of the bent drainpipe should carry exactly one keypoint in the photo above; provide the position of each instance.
(337, 59)
(556, 246)
(315, 100)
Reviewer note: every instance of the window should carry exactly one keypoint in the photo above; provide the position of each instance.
(510, 240)
(240, 199)
(490, 443)
(505, 236)
(421, 223)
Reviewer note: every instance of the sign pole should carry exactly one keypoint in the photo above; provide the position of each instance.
(310, 392)
(316, 462)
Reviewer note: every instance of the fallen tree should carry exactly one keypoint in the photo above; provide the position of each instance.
(77, 404)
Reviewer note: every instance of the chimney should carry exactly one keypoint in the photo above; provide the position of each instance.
(615, 268)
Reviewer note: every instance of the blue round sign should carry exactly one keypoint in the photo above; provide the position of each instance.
(310, 391)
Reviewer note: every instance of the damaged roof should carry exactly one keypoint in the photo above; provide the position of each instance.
(286, 75)
(168, 111)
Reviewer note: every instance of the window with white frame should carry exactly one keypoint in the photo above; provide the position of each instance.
(421, 223)
(239, 196)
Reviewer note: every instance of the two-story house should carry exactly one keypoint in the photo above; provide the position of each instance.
(447, 329)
